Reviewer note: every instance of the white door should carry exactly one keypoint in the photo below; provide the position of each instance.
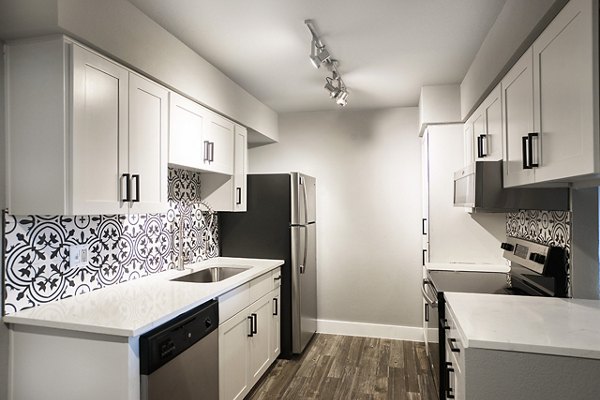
(148, 113)
(275, 338)
(234, 357)
(563, 60)
(425, 195)
(187, 121)
(240, 166)
(260, 352)
(99, 143)
(218, 139)
(517, 107)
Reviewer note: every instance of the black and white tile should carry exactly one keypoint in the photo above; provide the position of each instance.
(121, 247)
(545, 227)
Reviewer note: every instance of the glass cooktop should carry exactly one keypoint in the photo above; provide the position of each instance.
(472, 282)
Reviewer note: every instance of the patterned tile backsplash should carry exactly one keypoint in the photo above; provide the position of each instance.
(546, 227)
(120, 247)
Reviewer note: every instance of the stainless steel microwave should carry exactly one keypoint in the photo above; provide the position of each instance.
(479, 187)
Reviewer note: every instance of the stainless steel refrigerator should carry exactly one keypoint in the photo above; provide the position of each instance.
(280, 222)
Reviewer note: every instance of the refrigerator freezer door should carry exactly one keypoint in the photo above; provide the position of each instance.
(303, 199)
(304, 286)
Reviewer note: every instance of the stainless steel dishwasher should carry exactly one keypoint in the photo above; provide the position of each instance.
(180, 359)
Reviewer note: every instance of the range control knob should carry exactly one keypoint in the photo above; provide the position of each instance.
(207, 323)
(507, 246)
(538, 258)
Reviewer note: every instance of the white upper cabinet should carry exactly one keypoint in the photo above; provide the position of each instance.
(186, 132)
(550, 101)
(565, 88)
(99, 137)
(148, 142)
(486, 127)
(85, 135)
(198, 138)
(228, 193)
(517, 104)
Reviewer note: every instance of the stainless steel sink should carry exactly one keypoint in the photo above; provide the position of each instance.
(211, 274)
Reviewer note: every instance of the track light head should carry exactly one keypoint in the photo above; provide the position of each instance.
(331, 88)
(318, 54)
(342, 98)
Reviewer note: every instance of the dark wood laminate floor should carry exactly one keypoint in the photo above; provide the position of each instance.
(351, 368)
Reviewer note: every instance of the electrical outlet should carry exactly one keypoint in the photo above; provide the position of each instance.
(78, 255)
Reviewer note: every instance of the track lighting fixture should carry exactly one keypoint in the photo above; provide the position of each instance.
(319, 55)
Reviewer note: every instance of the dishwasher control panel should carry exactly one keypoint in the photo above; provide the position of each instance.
(164, 343)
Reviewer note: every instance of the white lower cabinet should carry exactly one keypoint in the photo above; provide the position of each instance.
(248, 340)
(475, 373)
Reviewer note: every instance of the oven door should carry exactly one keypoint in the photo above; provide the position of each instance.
(430, 326)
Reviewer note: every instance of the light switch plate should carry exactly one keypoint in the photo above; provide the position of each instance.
(78, 255)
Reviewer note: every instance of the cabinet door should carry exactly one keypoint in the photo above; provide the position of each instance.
(275, 338)
(99, 135)
(492, 110)
(218, 141)
(468, 140)
(478, 124)
(425, 195)
(234, 357)
(517, 111)
(565, 89)
(187, 121)
(240, 168)
(148, 113)
(260, 352)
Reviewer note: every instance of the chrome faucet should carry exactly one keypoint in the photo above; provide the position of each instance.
(182, 259)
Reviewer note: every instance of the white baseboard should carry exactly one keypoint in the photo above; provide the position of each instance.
(346, 328)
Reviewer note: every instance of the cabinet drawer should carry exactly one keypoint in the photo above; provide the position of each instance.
(260, 286)
(233, 302)
(276, 274)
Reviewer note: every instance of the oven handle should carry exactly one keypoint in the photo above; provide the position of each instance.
(432, 303)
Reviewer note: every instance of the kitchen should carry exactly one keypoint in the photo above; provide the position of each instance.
(369, 181)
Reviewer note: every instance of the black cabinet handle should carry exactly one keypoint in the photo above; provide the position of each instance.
(238, 195)
(251, 326)
(481, 140)
(524, 146)
(426, 312)
(423, 225)
(423, 257)
(255, 327)
(125, 177)
(452, 345)
(449, 389)
(530, 137)
(276, 308)
(206, 151)
(444, 323)
(136, 177)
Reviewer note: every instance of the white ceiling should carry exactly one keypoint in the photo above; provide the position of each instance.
(387, 49)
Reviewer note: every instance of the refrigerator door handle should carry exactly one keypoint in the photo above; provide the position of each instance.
(302, 266)
(303, 183)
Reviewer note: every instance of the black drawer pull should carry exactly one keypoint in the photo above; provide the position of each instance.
(452, 345)
(251, 326)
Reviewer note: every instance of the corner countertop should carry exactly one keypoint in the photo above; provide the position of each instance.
(544, 325)
(135, 307)
(469, 267)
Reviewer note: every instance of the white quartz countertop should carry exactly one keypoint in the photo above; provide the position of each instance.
(545, 325)
(470, 267)
(135, 307)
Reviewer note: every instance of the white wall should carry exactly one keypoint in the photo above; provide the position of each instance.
(367, 165)
(118, 28)
(516, 27)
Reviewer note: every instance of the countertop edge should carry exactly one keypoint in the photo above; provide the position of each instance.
(15, 319)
